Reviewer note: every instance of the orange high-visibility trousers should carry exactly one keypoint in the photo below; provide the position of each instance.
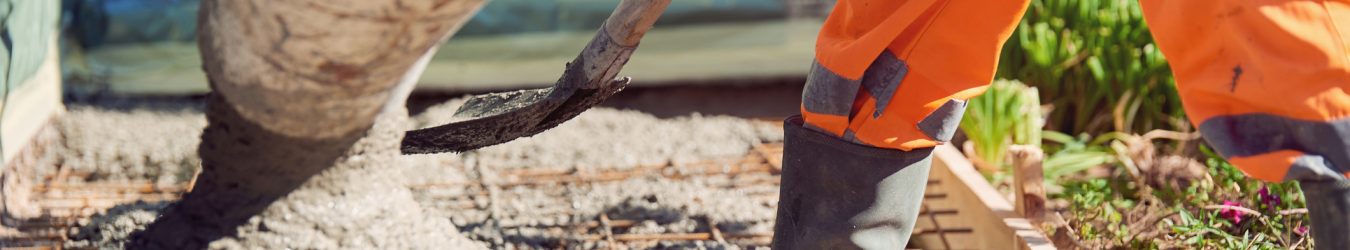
(896, 74)
(1265, 81)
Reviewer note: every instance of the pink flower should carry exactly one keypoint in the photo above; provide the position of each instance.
(1270, 200)
(1231, 214)
(1301, 230)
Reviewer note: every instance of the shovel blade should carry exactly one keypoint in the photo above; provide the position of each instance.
(493, 104)
(502, 117)
(499, 118)
(491, 119)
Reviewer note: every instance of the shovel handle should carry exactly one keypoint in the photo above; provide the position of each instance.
(603, 58)
(632, 19)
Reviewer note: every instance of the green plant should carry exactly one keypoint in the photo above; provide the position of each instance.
(1273, 219)
(1229, 212)
(1095, 64)
(1007, 113)
(1089, 56)
(1073, 154)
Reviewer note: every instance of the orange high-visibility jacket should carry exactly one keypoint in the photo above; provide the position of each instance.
(896, 74)
(1265, 81)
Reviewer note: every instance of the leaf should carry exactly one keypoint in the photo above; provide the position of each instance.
(1068, 163)
(1056, 136)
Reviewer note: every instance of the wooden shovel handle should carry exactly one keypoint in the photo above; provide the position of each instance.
(632, 19)
(602, 59)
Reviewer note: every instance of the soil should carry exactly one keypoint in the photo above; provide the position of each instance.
(525, 216)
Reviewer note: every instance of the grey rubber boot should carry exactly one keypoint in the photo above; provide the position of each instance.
(1329, 211)
(840, 195)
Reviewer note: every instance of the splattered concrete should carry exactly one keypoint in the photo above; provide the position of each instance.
(524, 217)
(108, 230)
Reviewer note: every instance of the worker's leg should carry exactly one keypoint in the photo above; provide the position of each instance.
(889, 83)
(841, 195)
(1329, 209)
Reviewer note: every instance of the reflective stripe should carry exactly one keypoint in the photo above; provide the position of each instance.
(817, 128)
(941, 124)
(827, 92)
(1326, 144)
(847, 136)
(883, 78)
(851, 137)
(1312, 168)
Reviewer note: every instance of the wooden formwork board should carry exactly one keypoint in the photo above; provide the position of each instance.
(962, 211)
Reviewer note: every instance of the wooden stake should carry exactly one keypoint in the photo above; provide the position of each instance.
(1028, 181)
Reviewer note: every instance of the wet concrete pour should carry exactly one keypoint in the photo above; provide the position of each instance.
(681, 186)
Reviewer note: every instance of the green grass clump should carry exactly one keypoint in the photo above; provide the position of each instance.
(1008, 113)
(1092, 56)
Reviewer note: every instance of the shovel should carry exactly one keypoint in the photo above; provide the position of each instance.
(496, 118)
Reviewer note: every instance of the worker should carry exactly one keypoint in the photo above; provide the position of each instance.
(1265, 82)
